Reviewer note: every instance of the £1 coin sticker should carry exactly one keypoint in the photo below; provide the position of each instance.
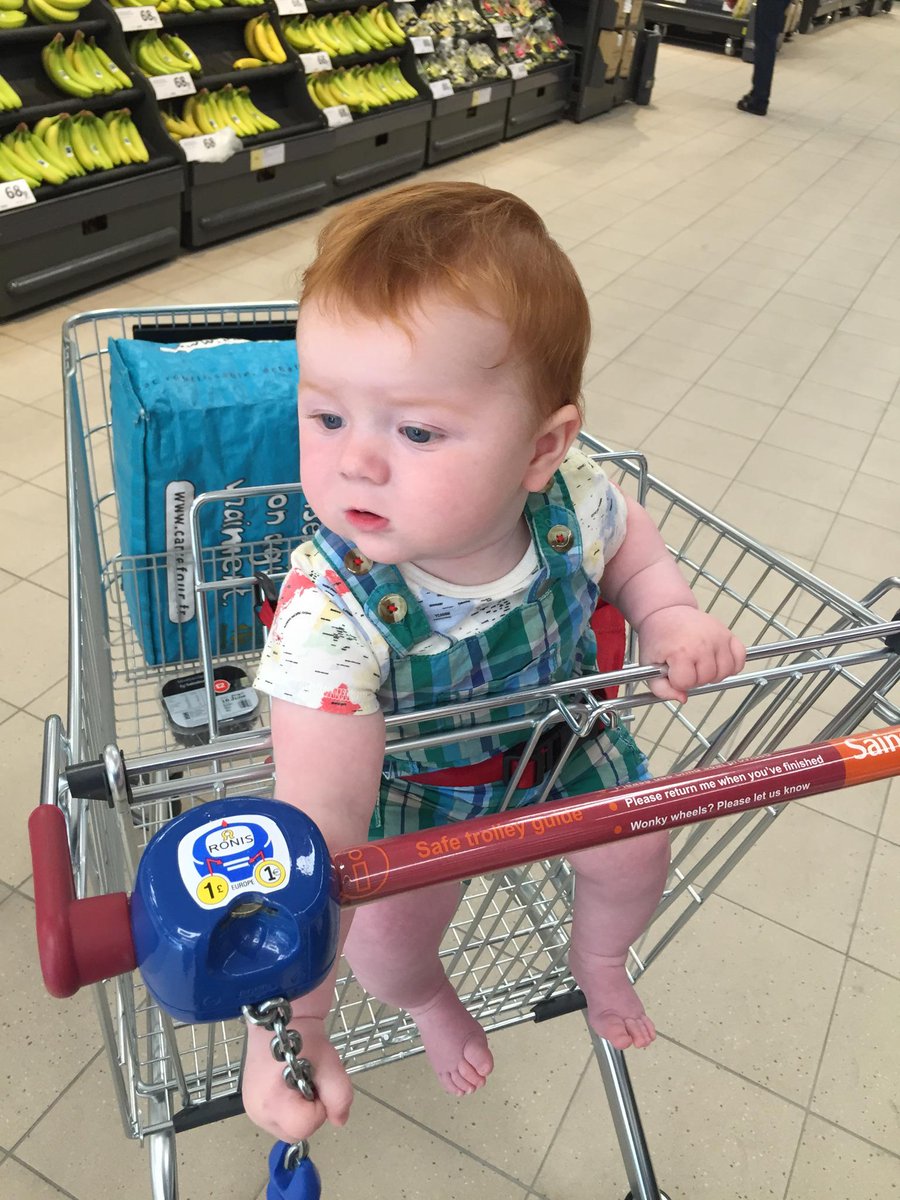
(212, 889)
(269, 873)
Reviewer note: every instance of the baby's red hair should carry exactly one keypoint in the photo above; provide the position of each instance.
(484, 248)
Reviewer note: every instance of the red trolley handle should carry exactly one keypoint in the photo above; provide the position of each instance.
(510, 839)
(84, 941)
(79, 941)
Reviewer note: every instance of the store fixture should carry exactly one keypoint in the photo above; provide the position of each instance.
(709, 22)
(817, 13)
(615, 56)
(256, 111)
(506, 63)
(89, 184)
(315, 72)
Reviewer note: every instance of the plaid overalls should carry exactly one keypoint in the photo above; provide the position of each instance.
(548, 638)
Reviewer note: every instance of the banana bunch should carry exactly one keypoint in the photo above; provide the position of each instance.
(340, 34)
(54, 12)
(208, 112)
(81, 69)
(9, 97)
(189, 6)
(361, 88)
(12, 14)
(262, 43)
(163, 54)
(61, 148)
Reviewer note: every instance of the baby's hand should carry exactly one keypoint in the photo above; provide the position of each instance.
(280, 1110)
(695, 647)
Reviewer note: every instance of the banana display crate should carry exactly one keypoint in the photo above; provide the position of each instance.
(249, 190)
(84, 230)
(539, 98)
(469, 120)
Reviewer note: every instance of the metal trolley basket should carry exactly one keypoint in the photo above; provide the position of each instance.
(818, 668)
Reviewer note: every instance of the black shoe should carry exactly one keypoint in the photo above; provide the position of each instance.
(748, 105)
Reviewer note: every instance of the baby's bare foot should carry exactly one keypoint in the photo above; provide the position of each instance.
(455, 1044)
(615, 1011)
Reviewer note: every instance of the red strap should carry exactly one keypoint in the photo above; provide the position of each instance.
(489, 770)
(608, 625)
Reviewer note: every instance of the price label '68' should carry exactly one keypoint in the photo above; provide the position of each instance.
(312, 63)
(337, 114)
(289, 8)
(168, 86)
(138, 18)
(15, 194)
(441, 88)
(502, 29)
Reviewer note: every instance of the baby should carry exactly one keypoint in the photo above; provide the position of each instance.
(464, 547)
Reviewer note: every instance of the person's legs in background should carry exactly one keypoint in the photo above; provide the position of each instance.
(769, 24)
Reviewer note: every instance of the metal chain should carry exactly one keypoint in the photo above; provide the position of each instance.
(286, 1044)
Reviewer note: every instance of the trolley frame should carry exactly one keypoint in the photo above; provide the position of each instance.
(823, 672)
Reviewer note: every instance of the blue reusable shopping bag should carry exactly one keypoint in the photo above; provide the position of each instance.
(190, 418)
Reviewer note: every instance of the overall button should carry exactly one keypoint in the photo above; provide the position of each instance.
(392, 609)
(560, 538)
(357, 563)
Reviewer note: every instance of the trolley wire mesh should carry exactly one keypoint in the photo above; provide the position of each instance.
(505, 950)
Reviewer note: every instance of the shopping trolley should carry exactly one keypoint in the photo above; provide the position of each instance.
(820, 666)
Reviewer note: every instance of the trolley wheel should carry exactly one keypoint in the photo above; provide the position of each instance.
(730, 51)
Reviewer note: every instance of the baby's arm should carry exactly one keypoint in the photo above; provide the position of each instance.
(644, 583)
(329, 766)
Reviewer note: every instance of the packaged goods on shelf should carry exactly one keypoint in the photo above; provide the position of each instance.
(464, 63)
(534, 45)
(449, 18)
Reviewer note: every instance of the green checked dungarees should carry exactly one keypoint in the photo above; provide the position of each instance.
(546, 639)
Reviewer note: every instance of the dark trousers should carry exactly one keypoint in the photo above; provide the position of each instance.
(769, 23)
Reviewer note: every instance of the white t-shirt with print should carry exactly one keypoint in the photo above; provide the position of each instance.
(328, 655)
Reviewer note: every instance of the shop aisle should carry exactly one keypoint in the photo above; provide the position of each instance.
(744, 277)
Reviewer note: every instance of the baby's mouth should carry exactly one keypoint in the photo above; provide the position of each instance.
(368, 522)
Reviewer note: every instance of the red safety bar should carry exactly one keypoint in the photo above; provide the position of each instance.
(494, 843)
(83, 941)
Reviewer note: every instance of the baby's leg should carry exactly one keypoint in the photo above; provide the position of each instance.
(393, 949)
(617, 888)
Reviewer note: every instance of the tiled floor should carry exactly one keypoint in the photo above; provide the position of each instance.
(744, 278)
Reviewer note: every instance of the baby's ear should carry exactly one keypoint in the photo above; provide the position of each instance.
(551, 444)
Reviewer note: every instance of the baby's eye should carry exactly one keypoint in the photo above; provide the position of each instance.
(417, 435)
(331, 420)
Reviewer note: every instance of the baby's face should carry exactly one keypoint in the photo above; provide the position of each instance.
(415, 442)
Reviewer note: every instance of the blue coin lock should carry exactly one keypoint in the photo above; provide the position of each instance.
(234, 903)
